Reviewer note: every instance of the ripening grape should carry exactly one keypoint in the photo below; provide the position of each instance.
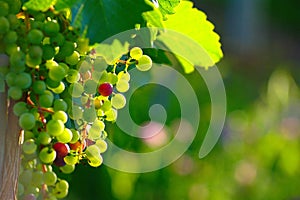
(136, 53)
(118, 101)
(27, 121)
(47, 155)
(61, 149)
(102, 145)
(105, 89)
(144, 63)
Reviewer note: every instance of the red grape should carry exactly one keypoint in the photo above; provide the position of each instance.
(105, 89)
(61, 149)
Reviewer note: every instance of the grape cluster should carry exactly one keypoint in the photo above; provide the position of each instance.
(63, 92)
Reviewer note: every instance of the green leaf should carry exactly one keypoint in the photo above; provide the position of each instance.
(111, 52)
(39, 5)
(154, 18)
(63, 4)
(166, 7)
(193, 23)
(105, 18)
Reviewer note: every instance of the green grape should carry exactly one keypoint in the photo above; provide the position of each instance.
(84, 66)
(112, 78)
(94, 133)
(122, 85)
(51, 83)
(10, 37)
(44, 138)
(100, 64)
(144, 63)
(106, 106)
(4, 8)
(102, 145)
(57, 40)
(96, 75)
(73, 76)
(25, 177)
(75, 136)
(75, 112)
(111, 115)
(37, 178)
(20, 108)
(89, 114)
(27, 121)
(35, 51)
(57, 73)
(60, 115)
(136, 53)
(65, 66)
(4, 25)
(14, 6)
(48, 52)
(55, 127)
(73, 59)
(92, 151)
(23, 80)
(39, 87)
(51, 64)
(33, 62)
(62, 185)
(47, 155)
(60, 194)
(60, 104)
(84, 100)
(29, 146)
(71, 159)
(66, 136)
(11, 48)
(50, 178)
(46, 99)
(36, 24)
(51, 28)
(10, 79)
(13, 21)
(35, 36)
(124, 76)
(17, 61)
(90, 87)
(67, 169)
(118, 101)
(76, 90)
(20, 189)
(83, 45)
(28, 135)
(95, 161)
(66, 49)
(60, 89)
(15, 93)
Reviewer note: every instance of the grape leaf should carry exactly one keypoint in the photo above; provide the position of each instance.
(111, 52)
(105, 18)
(39, 5)
(196, 26)
(63, 4)
(153, 18)
(166, 7)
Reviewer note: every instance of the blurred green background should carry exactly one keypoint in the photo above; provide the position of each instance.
(258, 154)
